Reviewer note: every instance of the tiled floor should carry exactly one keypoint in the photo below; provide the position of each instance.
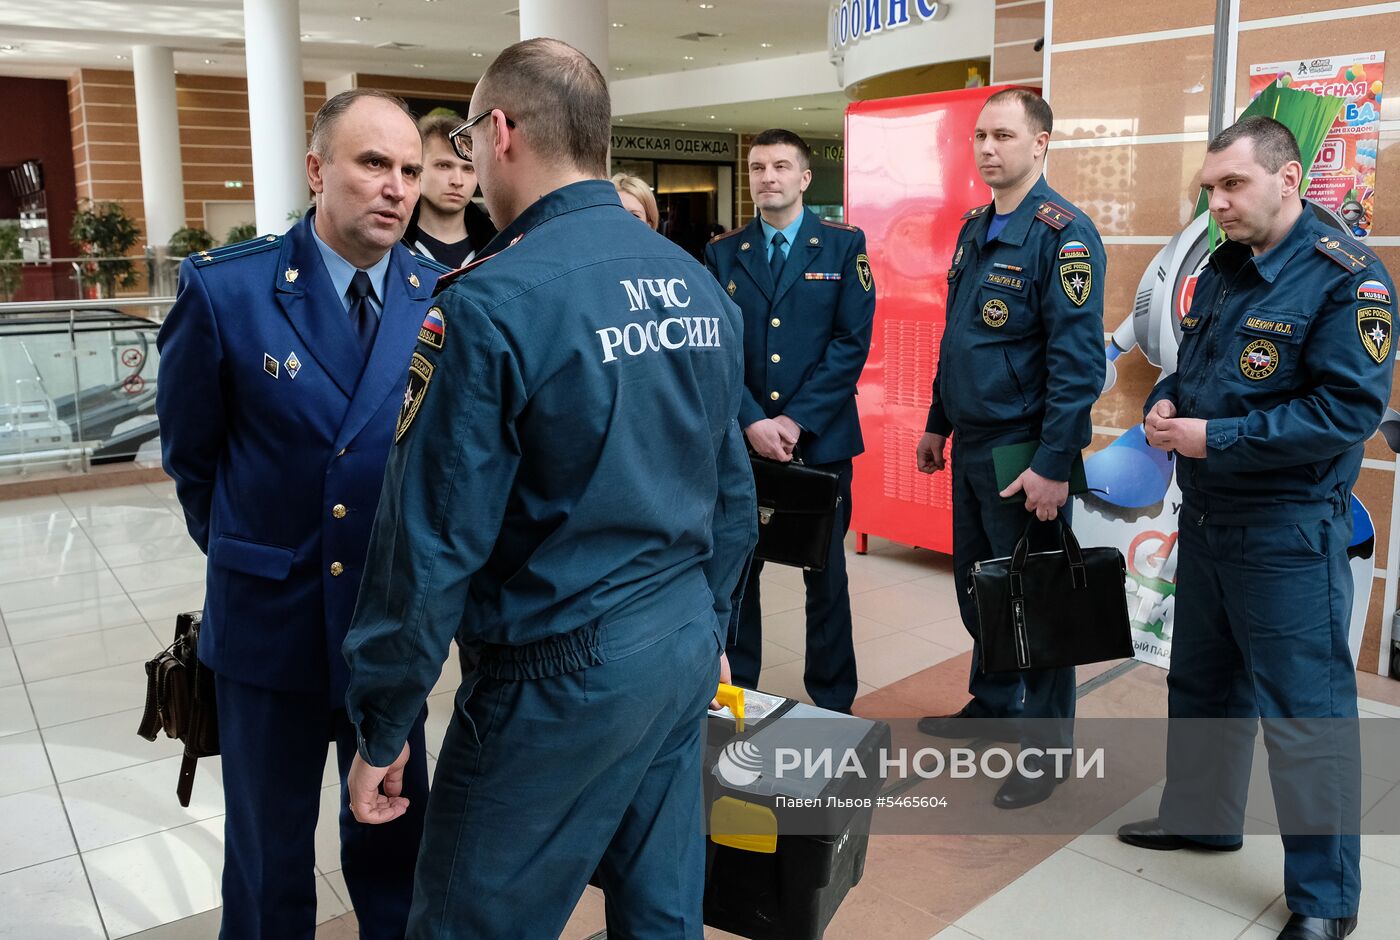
(94, 845)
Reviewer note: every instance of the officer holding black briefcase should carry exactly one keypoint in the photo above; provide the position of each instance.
(1021, 362)
(808, 297)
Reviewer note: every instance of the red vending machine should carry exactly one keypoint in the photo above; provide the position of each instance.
(910, 176)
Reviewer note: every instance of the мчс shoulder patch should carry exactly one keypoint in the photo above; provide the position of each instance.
(867, 280)
(1077, 278)
(420, 373)
(1373, 323)
(433, 332)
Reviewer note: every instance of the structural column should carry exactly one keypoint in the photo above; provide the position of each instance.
(583, 24)
(158, 134)
(276, 111)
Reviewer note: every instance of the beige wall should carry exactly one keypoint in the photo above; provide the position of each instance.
(1014, 59)
(214, 139)
(1138, 73)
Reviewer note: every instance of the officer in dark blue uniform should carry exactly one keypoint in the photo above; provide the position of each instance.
(808, 297)
(1021, 360)
(570, 495)
(1283, 373)
(282, 368)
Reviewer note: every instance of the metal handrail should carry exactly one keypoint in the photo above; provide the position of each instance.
(78, 306)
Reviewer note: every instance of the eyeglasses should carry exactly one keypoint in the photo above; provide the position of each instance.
(462, 141)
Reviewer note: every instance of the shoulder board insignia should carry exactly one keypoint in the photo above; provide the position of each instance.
(1057, 217)
(432, 264)
(723, 235)
(447, 280)
(252, 246)
(841, 225)
(974, 213)
(1344, 251)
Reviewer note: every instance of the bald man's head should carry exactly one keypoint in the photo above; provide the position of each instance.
(557, 98)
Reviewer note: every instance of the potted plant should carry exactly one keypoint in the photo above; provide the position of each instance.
(190, 241)
(105, 233)
(10, 256)
(241, 233)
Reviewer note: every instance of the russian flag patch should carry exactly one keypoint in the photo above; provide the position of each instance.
(1374, 291)
(434, 329)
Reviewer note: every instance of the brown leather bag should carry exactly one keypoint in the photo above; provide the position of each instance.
(180, 700)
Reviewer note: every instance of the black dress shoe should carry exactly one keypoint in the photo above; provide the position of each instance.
(963, 725)
(1021, 791)
(1149, 834)
(1317, 928)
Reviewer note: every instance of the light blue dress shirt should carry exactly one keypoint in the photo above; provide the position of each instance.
(341, 271)
(769, 231)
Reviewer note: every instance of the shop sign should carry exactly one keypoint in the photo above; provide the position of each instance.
(850, 21)
(652, 144)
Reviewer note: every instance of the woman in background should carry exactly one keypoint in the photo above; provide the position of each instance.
(637, 198)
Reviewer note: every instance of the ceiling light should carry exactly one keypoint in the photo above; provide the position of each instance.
(361, 19)
(305, 35)
(688, 58)
(618, 68)
(797, 108)
(208, 61)
(120, 58)
(712, 117)
(707, 6)
(477, 55)
(765, 45)
(618, 25)
(420, 65)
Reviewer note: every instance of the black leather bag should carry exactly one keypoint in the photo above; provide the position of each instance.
(1046, 610)
(796, 512)
(180, 701)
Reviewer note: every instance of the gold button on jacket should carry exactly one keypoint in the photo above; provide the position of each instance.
(337, 569)
(338, 510)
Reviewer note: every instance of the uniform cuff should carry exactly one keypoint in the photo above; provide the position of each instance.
(749, 412)
(938, 423)
(1222, 432)
(1052, 464)
(373, 746)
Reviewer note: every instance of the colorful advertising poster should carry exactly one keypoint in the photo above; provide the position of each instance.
(1344, 173)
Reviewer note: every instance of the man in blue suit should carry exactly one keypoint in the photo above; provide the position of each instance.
(808, 298)
(283, 364)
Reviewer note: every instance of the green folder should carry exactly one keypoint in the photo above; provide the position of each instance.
(1012, 460)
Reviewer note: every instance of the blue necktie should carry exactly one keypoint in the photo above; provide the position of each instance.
(776, 259)
(362, 316)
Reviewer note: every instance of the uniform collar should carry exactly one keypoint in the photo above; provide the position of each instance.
(790, 232)
(1020, 222)
(1232, 256)
(342, 271)
(581, 195)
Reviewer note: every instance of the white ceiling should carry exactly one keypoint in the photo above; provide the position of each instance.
(453, 39)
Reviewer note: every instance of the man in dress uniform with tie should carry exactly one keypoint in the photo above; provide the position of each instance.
(808, 297)
(283, 364)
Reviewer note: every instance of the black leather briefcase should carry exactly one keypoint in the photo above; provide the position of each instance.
(796, 512)
(1046, 610)
(180, 701)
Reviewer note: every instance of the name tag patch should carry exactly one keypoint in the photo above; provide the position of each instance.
(1265, 325)
(1005, 281)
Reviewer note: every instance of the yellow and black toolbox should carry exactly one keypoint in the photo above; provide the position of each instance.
(789, 794)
